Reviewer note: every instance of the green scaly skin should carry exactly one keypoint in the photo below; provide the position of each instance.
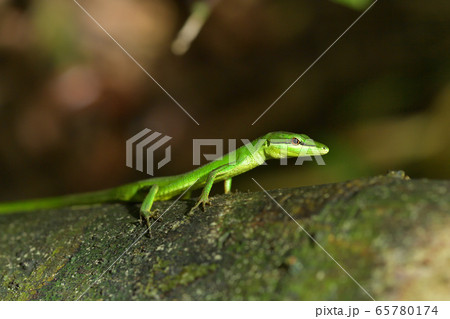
(274, 145)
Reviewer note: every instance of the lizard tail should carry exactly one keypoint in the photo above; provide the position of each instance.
(108, 195)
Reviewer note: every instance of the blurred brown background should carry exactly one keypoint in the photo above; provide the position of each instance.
(70, 97)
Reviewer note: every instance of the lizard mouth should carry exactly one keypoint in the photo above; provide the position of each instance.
(324, 150)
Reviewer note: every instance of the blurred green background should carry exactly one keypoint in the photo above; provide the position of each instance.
(70, 97)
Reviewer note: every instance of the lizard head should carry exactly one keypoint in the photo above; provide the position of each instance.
(285, 144)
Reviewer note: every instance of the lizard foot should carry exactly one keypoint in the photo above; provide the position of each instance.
(202, 202)
(147, 216)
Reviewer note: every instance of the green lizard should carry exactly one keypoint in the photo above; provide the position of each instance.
(275, 145)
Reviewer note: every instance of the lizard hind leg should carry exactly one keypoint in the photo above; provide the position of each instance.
(145, 211)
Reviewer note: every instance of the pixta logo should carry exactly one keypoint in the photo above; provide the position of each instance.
(306, 153)
(147, 141)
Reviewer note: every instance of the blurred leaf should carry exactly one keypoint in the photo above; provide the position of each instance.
(56, 31)
(354, 4)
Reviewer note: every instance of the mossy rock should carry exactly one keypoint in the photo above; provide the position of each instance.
(384, 237)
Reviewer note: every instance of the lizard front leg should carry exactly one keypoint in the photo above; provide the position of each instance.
(204, 197)
(227, 185)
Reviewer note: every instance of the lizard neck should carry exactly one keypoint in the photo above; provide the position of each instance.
(255, 153)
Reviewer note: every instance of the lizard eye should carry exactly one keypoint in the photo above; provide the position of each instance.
(295, 141)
